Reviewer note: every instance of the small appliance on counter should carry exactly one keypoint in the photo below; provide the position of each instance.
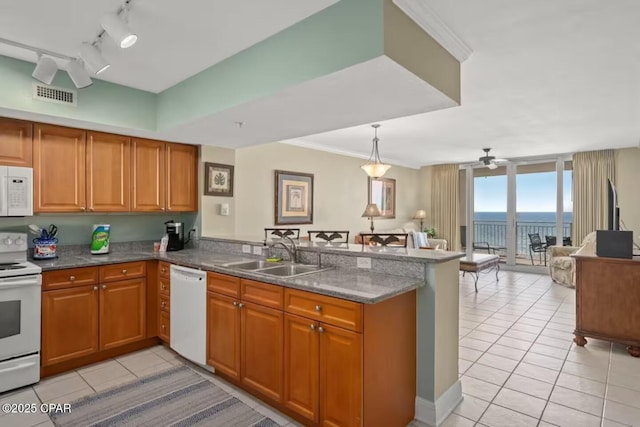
(175, 232)
(100, 236)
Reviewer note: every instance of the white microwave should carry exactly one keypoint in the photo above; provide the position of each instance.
(16, 191)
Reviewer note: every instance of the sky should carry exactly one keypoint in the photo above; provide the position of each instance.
(535, 192)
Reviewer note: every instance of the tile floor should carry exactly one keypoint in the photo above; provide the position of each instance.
(517, 361)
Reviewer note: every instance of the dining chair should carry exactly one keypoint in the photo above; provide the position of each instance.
(385, 239)
(328, 236)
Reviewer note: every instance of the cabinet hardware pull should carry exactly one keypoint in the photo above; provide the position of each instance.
(235, 304)
(163, 287)
(83, 209)
(72, 278)
(318, 308)
(161, 209)
(313, 327)
(95, 288)
(164, 326)
(164, 304)
(240, 305)
(104, 286)
(124, 271)
(321, 329)
(90, 209)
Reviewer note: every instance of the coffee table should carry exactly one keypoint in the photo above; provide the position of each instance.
(480, 262)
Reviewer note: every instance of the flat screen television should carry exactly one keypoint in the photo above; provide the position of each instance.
(613, 212)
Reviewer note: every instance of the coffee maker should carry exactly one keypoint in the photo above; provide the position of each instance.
(175, 231)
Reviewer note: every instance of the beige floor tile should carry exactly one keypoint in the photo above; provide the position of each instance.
(621, 413)
(537, 372)
(455, 420)
(108, 372)
(499, 330)
(115, 382)
(514, 343)
(508, 352)
(577, 400)
(47, 423)
(544, 361)
(585, 371)
(70, 397)
(153, 369)
(609, 423)
(524, 336)
(469, 354)
(141, 361)
(478, 388)
(471, 407)
(23, 420)
(22, 395)
(554, 333)
(497, 416)
(273, 414)
(625, 380)
(463, 365)
(483, 336)
(488, 374)
(247, 399)
(498, 362)
(567, 417)
(584, 385)
(498, 322)
(523, 327)
(62, 385)
(520, 402)
(623, 395)
(475, 344)
(554, 342)
(546, 350)
(529, 386)
(533, 322)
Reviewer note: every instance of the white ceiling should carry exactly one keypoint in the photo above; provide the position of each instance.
(175, 39)
(545, 77)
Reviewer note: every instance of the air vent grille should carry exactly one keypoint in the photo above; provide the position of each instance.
(54, 94)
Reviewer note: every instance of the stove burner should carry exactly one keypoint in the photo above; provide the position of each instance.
(12, 266)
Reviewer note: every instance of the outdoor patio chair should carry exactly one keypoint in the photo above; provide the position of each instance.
(536, 246)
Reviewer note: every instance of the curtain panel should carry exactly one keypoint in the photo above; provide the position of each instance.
(591, 170)
(445, 204)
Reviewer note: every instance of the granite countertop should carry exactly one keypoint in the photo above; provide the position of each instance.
(351, 284)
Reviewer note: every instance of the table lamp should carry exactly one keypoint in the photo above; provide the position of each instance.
(370, 212)
(420, 214)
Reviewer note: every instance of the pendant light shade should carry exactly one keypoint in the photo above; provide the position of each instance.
(118, 30)
(45, 70)
(93, 58)
(374, 167)
(78, 74)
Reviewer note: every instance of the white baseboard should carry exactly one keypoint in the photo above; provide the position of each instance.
(434, 414)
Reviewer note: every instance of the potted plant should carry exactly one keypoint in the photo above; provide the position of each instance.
(431, 233)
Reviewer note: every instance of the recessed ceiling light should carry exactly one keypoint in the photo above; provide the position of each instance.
(78, 74)
(93, 58)
(118, 30)
(46, 69)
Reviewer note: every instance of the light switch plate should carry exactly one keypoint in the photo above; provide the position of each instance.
(246, 249)
(364, 262)
(257, 250)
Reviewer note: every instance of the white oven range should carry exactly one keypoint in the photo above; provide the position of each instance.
(20, 287)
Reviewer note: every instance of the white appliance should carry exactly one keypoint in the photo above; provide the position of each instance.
(20, 286)
(189, 313)
(16, 191)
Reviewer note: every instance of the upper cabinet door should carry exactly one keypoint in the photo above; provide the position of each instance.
(15, 142)
(108, 172)
(58, 169)
(182, 178)
(148, 175)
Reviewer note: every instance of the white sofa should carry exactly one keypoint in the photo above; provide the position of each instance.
(410, 228)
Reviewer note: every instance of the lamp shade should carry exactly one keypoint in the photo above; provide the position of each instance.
(375, 170)
(420, 214)
(371, 211)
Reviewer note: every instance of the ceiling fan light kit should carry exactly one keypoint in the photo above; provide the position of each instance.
(489, 161)
(89, 55)
(374, 166)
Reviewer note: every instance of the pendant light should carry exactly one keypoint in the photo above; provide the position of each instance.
(374, 167)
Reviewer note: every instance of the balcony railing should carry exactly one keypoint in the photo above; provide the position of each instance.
(495, 233)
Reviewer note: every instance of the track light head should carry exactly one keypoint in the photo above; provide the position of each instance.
(78, 74)
(45, 70)
(93, 58)
(118, 30)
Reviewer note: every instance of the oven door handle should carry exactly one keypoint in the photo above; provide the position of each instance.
(17, 367)
(21, 281)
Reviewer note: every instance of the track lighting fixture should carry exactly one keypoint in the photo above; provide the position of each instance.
(46, 69)
(93, 58)
(78, 74)
(118, 30)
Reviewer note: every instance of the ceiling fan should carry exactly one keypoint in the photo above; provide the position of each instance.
(490, 161)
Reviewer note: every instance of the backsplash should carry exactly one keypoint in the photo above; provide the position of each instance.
(75, 229)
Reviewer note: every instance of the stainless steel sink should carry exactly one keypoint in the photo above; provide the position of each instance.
(291, 270)
(249, 265)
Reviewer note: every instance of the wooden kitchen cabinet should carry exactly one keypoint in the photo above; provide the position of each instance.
(69, 324)
(59, 169)
(223, 334)
(181, 177)
(122, 312)
(148, 175)
(108, 172)
(16, 142)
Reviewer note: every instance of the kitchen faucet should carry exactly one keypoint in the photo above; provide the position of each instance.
(292, 251)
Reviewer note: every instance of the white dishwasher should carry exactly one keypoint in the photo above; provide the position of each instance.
(189, 313)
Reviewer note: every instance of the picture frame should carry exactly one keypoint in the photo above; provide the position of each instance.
(218, 180)
(382, 192)
(293, 198)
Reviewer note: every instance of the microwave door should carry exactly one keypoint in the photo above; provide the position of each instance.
(4, 205)
(19, 187)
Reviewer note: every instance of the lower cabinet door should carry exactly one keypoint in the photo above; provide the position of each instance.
(122, 312)
(301, 366)
(223, 334)
(69, 324)
(340, 377)
(262, 348)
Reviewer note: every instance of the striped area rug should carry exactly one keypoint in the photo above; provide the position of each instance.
(176, 397)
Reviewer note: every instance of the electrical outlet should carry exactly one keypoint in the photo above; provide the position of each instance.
(246, 249)
(364, 262)
(194, 233)
(257, 250)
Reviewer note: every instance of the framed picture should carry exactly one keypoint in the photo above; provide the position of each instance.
(382, 192)
(218, 180)
(294, 198)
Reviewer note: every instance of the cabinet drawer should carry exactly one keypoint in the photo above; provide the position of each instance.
(164, 286)
(164, 303)
(127, 270)
(223, 284)
(334, 311)
(163, 327)
(262, 293)
(69, 278)
(164, 269)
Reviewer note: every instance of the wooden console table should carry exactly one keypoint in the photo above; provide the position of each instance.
(608, 301)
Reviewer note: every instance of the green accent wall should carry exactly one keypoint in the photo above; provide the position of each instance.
(103, 102)
(75, 229)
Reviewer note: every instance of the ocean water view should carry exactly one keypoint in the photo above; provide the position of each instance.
(543, 217)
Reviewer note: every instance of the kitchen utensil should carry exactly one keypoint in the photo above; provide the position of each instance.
(35, 229)
(53, 230)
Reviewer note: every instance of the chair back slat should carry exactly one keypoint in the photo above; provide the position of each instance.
(385, 239)
(333, 236)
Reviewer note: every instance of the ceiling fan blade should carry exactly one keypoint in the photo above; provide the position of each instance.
(492, 166)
